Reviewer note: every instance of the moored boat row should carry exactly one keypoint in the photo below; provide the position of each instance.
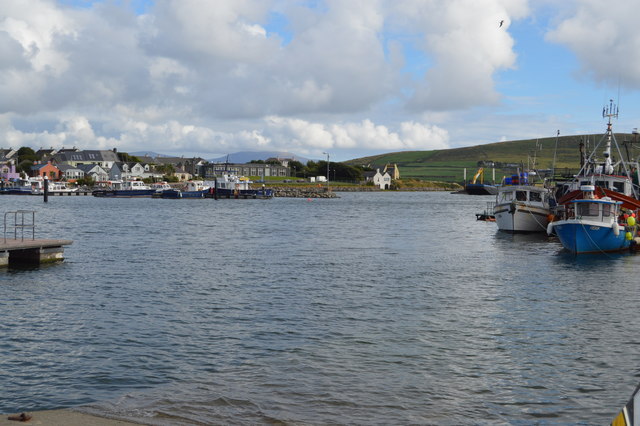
(593, 213)
(225, 186)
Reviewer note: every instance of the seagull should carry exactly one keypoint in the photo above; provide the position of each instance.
(501, 22)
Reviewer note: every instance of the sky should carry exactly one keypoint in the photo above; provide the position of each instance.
(312, 77)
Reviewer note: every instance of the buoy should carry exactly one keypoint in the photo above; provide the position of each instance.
(631, 221)
(626, 216)
(550, 228)
(550, 217)
(628, 236)
(616, 229)
(633, 215)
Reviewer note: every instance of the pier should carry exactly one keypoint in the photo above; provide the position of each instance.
(18, 249)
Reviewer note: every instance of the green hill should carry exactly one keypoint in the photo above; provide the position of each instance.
(448, 164)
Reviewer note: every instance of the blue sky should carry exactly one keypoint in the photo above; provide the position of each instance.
(357, 78)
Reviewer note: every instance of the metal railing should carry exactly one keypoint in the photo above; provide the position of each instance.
(19, 224)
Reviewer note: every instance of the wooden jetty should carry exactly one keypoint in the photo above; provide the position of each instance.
(15, 249)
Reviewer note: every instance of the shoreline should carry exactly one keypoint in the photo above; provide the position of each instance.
(65, 416)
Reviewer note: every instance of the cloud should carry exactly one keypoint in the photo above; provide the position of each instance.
(276, 133)
(212, 77)
(604, 37)
(365, 135)
(467, 46)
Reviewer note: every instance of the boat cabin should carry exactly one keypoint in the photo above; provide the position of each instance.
(598, 210)
(526, 194)
(134, 185)
(620, 184)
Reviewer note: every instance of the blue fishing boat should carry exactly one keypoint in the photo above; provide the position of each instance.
(24, 186)
(192, 189)
(591, 225)
(233, 186)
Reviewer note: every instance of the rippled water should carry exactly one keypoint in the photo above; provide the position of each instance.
(373, 308)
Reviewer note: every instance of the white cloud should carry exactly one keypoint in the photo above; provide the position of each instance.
(604, 37)
(215, 77)
(467, 45)
(365, 135)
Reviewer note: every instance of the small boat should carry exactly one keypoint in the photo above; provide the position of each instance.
(160, 186)
(127, 189)
(192, 189)
(591, 225)
(233, 186)
(487, 215)
(60, 187)
(24, 186)
(521, 206)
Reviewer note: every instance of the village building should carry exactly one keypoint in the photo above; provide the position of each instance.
(73, 157)
(8, 164)
(393, 171)
(45, 169)
(95, 172)
(211, 170)
(45, 154)
(182, 175)
(70, 173)
(382, 180)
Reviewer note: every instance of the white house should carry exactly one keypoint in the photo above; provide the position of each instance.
(96, 172)
(70, 173)
(382, 180)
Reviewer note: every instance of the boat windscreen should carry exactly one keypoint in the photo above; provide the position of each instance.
(588, 209)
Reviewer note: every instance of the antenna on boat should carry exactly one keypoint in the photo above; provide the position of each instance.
(555, 151)
(611, 111)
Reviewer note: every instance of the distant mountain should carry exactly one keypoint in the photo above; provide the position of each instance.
(236, 157)
(148, 154)
(247, 156)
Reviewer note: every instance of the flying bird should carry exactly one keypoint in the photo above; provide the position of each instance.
(501, 22)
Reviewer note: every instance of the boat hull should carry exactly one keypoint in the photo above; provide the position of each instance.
(18, 191)
(583, 237)
(240, 193)
(175, 194)
(520, 217)
(124, 193)
(480, 189)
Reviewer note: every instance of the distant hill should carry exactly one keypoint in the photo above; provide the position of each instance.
(148, 154)
(449, 164)
(247, 156)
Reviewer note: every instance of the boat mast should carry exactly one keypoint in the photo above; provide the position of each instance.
(611, 111)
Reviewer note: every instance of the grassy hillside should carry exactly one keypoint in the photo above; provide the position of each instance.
(449, 164)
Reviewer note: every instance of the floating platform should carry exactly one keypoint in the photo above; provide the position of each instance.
(31, 252)
(27, 251)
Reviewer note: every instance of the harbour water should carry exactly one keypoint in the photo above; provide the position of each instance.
(371, 308)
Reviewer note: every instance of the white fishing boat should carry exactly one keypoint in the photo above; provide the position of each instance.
(521, 206)
(57, 186)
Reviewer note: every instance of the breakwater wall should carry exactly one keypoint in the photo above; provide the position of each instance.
(302, 192)
(321, 192)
